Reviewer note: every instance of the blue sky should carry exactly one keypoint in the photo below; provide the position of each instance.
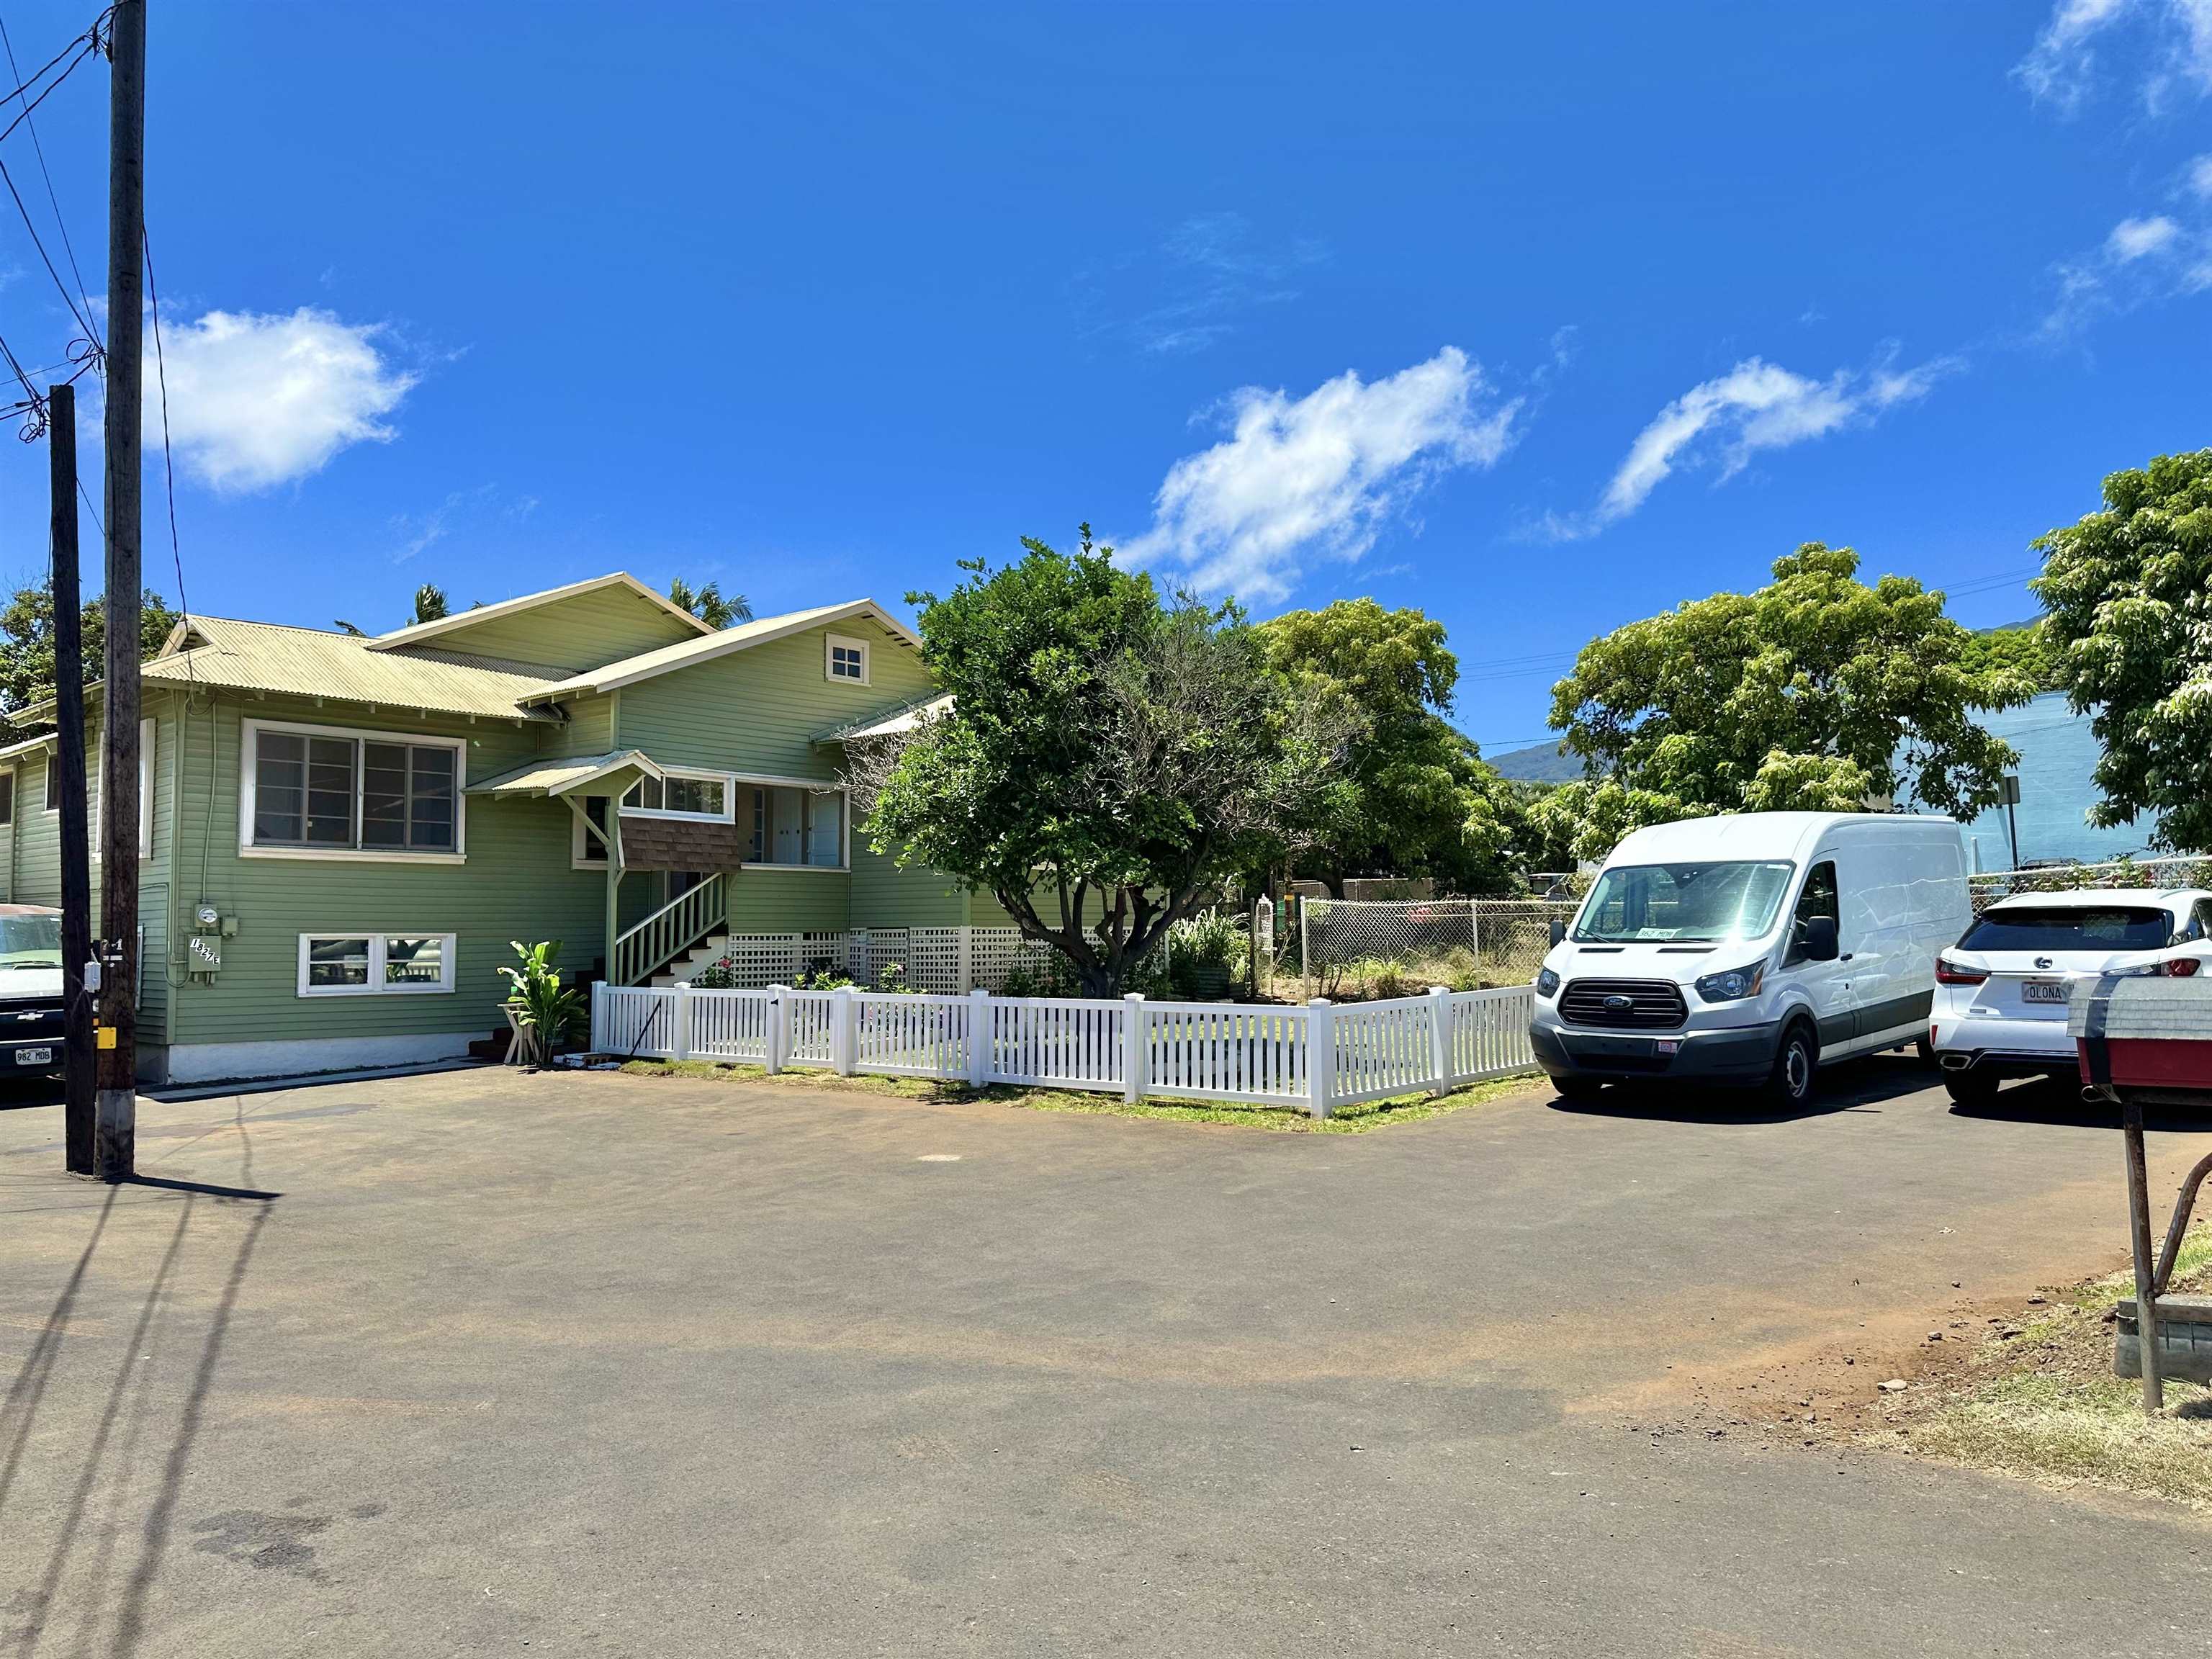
(1539, 325)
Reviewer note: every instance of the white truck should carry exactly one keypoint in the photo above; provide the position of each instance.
(1751, 949)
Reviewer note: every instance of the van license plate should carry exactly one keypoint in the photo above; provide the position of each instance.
(34, 1056)
(2043, 990)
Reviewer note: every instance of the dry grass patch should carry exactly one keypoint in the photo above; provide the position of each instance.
(2037, 1398)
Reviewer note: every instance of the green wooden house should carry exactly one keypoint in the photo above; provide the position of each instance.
(340, 835)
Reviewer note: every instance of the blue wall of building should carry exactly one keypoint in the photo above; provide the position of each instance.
(2057, 754)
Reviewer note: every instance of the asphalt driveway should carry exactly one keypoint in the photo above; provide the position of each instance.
(592, 1363)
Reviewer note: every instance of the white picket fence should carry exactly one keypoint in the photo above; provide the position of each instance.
(1316, 1057)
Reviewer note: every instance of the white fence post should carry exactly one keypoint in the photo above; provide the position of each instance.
(779, 1027)
(1135, 1046)
(598, 1017)
(966, 982)
(1321, 1052)
(682, 1040)
(844, 1031)
(979, 1026)
(1440, 1037)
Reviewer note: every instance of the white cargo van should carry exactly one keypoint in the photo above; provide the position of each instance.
(1750, 949)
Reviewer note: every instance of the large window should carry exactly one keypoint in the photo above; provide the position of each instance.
(793, 825)
(681, 795)
(318, 790)
(375, 965)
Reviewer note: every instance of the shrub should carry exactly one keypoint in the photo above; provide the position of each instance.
(1205, 954)
(547, 1013)
(720, 975)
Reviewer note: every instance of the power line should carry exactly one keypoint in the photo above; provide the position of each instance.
(168, 464)
(54, 201)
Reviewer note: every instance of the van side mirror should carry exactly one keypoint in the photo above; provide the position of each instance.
(1559, 931)
(1820, 942)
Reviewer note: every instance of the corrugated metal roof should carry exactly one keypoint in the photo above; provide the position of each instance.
(307, 662)
(558, 777)
(890, 725)
(668, 657)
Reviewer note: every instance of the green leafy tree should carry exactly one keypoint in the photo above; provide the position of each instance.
(708, 603)
(2128, 596)
(1816, 693)
(429, 604)
(1423, 802)
(27, 645)
(2024, 648)
(1105, 756)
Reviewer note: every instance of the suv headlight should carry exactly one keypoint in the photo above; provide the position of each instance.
(1547, 983)
(1733, 985)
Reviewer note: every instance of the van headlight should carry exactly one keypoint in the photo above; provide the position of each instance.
(1734, 984)
(1547, 983)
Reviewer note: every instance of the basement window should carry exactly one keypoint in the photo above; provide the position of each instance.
(375, 965)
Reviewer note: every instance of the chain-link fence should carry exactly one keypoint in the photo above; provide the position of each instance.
(2184, 870)
(1345, 948)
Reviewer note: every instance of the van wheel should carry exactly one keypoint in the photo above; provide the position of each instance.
(1575, 1088)
(1790, 1082)
(1975, 1087)
(1924, 1051)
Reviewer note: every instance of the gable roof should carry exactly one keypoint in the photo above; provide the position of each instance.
(415, 633)
(560, 777)
(309, 662)
(686, 653)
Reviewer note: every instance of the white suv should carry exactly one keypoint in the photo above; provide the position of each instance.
(2000, 1008)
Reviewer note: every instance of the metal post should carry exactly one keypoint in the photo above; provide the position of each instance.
(1306, 947)
(2131, 1134)
(1320, 1055)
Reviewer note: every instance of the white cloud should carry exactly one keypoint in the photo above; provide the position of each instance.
(1199, 285)
(2172, 40)
(2136, 238)
(2200, 178)
(1755, 405)
(1318, 476)
(2141, 260)
(256, 401)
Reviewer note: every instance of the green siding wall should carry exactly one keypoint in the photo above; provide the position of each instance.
(884, 896)
(586, 630)
(759, 710)
(516, 884)
(790, 902)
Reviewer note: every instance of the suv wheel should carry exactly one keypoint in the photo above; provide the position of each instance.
(1976, 1086)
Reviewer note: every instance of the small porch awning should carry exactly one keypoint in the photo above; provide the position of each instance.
(896, 722)
(569, 776)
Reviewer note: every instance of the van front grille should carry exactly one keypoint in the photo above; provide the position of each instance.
(1623, 1004)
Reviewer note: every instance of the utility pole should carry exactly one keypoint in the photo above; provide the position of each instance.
(115, 1129)
(68, 771)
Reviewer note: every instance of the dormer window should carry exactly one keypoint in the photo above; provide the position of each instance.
(846, 660)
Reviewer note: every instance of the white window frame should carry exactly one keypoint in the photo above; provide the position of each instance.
(812, 787)
(249, 765)
(448, 957)
(95, 798)
(578, 842)
(727, 780)
(829, 644)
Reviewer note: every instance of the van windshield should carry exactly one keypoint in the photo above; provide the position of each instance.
(1692, 903)
(30, 942)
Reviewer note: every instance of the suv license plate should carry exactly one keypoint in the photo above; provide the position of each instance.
(2043, 990)
(34, 1056)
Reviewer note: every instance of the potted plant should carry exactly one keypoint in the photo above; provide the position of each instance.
(544, 1012)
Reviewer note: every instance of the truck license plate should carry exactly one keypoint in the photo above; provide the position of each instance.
(2043, 990)
(34, 1056)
